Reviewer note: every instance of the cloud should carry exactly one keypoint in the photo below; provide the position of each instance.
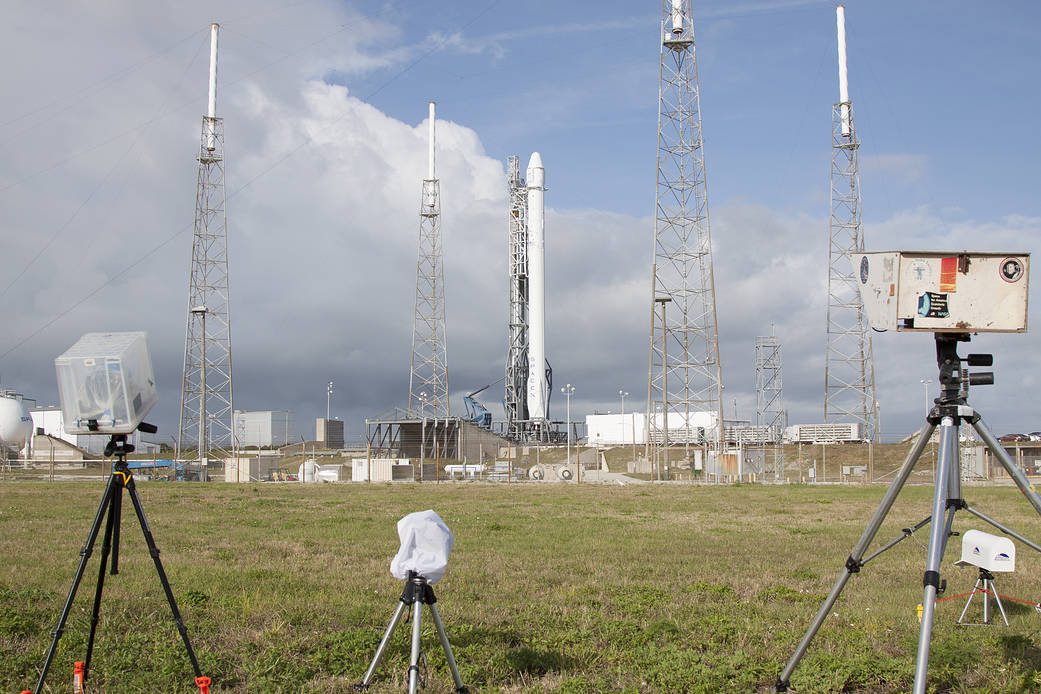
(901, 168)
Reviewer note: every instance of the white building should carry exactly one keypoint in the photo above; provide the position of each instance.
(619, 429)
(266, 428)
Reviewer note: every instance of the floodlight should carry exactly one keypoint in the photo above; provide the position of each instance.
(988, 552)
(105, 383)
(958, 292)
(426, 543)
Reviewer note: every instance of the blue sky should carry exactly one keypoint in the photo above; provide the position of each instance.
(324, 106)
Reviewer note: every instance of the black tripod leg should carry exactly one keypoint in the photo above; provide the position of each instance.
(85, 553)
(117, 503)
(106, 545)
(153, 551)
(853, 563)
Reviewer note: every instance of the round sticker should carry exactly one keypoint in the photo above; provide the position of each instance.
(1011, 269)
(863, 270)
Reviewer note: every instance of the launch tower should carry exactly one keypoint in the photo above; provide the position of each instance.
(685, 375)
(516, 399)
(428, 380)
(770, 415)
(849, 372)
(206, 387)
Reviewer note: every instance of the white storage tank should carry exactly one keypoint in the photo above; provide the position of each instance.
(16, 425)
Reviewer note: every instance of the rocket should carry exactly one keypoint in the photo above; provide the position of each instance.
(538, 386)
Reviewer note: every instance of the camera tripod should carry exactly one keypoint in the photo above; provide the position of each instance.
(417, 592)
(111, 506)
(950, 409)
(985, 585)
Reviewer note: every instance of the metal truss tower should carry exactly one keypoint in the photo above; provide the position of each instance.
(206, 389)
(769, 411)
(428, 380)
(515, 401)
(685, 375)
(849, 372)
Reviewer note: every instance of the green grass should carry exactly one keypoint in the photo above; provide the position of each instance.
(550, 588)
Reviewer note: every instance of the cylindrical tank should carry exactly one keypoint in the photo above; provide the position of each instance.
(16, 426)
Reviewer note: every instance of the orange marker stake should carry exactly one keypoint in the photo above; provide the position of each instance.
(77, 678)
(203, 683)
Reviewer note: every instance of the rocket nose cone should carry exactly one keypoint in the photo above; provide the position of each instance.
(536, 172)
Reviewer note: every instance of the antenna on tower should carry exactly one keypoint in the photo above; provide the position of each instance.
(428, 378)
(207, 408)
(849, 370)
(685, 375)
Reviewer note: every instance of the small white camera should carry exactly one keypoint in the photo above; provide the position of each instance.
(106, 383)
(988, 552)
(930, 291)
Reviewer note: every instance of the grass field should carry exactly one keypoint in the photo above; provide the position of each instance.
(550, 588)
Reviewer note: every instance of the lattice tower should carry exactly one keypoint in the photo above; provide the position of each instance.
(849, 372)
(207, 405)
(685, 374)
(769, 409)
(206, 391)
(515, 401)
(428, 380)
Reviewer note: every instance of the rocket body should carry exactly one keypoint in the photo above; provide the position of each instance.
(538, 387)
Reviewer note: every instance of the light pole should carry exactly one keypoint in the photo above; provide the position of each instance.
(568, 390)
(622, 394)
(328, 399)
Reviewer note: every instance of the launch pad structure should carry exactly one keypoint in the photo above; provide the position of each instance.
(529, 376)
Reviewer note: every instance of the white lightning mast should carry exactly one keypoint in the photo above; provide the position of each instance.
(207, 408)
(428, 379)
(849, 372)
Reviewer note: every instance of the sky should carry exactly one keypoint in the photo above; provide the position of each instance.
(325, 104)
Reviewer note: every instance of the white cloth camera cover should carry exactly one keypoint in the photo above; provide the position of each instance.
(426, 543)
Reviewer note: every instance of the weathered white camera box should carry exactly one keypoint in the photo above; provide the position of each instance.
(931, 291)
(106, 383)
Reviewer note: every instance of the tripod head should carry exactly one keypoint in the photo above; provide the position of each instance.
(954, 377)
(118, 445)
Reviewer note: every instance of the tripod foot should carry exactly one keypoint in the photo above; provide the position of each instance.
(203, 683)
(781, 685)
(360, 687)
(462, 690)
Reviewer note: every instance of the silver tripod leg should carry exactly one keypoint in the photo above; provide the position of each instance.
(937, 543)
(997, 599)
(398, 614)
(413, 668)
(853, 563)
(447, 648)
(975, 589)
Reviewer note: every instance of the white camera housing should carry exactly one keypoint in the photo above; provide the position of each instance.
(106, 383)
(931, 291)
(988, 552)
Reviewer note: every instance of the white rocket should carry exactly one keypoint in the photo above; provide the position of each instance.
(538, 387)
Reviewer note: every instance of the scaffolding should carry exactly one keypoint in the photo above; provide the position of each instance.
(770, 416)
